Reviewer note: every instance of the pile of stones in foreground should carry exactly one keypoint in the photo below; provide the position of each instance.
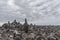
(18, 31)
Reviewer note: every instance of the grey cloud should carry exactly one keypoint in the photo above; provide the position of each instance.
(45, 11)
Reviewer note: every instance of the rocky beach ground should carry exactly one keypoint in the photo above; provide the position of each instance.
(18, 31)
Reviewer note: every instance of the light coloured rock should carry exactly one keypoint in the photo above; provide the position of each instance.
(31, 35)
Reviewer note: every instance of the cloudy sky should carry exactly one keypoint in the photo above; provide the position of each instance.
(36, 11)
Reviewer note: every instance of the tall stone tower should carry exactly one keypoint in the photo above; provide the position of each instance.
(26, 26)
(9, 23)
(26, 21)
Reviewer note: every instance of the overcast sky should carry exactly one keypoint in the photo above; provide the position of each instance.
(36, 11)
